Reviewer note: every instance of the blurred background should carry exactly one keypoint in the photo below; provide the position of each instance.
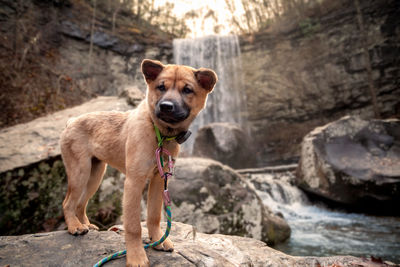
(305, 112)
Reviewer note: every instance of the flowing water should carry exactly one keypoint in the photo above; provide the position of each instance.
(316, 230)
(319, 231)
(222, 54)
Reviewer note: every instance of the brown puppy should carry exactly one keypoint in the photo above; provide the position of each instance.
(127, 141)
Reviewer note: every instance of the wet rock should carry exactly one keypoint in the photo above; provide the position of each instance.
(62, 249)
(354, 162)
(216, 199)
(226, 143)
(32, 142)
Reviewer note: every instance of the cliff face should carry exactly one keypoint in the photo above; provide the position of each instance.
(316, 72)
(115, 63)
(46, 60)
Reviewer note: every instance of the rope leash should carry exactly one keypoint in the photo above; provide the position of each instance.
(123, 252)
(166, 196)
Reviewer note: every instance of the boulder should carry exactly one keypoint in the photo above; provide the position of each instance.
(37, 140)
(132, 94)
(62, 249)
(353, 162)
(216, 199)
(226, 143)
(32, 175)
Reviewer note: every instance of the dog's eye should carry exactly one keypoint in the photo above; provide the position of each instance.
(161, 87)
(186, 90)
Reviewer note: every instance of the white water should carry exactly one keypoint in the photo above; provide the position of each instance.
(222, 54)
(319, 231)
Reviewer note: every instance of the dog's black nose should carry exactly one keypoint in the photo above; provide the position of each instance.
(167, 106)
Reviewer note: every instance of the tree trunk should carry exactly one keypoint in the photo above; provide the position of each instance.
(91, 37)
(114, 17)
(17, 33)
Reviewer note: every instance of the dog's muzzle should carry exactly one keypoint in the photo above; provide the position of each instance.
(171, 112)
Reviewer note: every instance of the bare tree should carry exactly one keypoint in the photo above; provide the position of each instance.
(91, 36)
(17, 28)
(114, 15)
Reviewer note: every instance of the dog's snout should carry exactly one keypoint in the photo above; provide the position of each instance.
(171, 111)
(167, 106)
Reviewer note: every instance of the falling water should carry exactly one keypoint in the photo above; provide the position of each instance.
(222, 54)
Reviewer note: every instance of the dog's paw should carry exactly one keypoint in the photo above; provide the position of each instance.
(78, 229)
(92, 227)
(137, 259)
(167, 246)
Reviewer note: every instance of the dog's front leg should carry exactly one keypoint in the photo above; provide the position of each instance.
(154, 206)
(133, 188)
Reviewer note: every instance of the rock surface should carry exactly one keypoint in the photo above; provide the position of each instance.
(353, 161)
(133, 95)
(326, 78)
(31, 142)
(62, 249)
(216, 199)
(118, 54)
(226, 143)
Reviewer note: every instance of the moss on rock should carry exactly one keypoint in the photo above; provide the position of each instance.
(31, 199)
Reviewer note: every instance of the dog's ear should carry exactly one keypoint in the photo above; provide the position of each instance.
(206, 78)
(151, 69)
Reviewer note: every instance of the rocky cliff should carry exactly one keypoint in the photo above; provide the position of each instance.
(315, 72)
(54, 55)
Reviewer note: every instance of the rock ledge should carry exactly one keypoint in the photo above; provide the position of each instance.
(61, 249)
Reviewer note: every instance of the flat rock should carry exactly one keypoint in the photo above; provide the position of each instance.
(37, 140)
(62, 249)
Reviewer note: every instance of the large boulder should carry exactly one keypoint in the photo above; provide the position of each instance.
(216, 199)
(62, 249)
(37, 140)
(32, 175)
(354, 162)
(226, 143)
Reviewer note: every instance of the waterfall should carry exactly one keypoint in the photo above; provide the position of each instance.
(320, 231)
(222, 54)
(278, 192)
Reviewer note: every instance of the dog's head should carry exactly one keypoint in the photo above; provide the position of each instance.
(176, 94)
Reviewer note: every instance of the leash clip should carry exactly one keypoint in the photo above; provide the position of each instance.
(165, 175)
(160, 164)
(166, 198)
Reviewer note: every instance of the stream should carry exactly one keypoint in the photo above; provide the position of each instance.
(320, 231)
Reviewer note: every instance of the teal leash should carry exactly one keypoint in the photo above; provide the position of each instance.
(166, 197)
(152, 245)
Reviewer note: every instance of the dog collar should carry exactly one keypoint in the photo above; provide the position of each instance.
(180, 138)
